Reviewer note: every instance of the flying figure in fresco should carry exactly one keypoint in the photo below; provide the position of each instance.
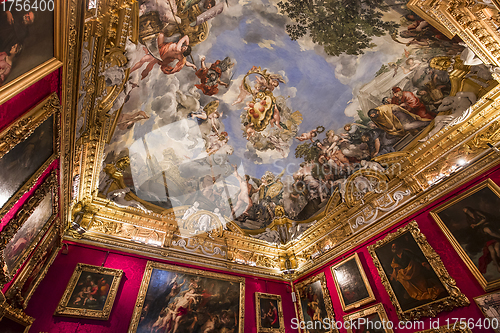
(245, 195)
(210, 77)
(169, 52)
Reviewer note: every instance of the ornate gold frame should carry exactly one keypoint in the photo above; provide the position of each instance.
(17, 315)
(487, 286)
(49, 187)
(20, 131)
(377, 308)
(12, 88)
(455, 298)
(260, 329)
(371, 296)
(51, 235)
(446, 329)
(64, 310)
(141, 297)
(326, 297)
(486, 316)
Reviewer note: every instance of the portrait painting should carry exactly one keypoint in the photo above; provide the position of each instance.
(315, 305)
(234, 110)
(90, 292)
(374, 320)
(352, 284)
(413, 275)
(38, 264)
(177, 299)
(470, 221)
(269, 313)
(30, 146)
(489, 305)
(29, 44)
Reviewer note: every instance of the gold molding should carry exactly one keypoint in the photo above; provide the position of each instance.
(377, 308)
(25, 80)
(20, 131)
(141, 297)
(16, 315)
(455, 297)
(49, 187)
(258, 297)
(64, 309)
(326, 297)
(355, 305)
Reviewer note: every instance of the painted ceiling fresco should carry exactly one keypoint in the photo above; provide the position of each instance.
(251, 108)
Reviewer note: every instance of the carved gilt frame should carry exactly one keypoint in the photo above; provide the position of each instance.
(141, 297)
(487, 286)
(455, 297)
(258, 297)
(49, 187)
(63, 309)
(25, 80)
(377, 308)
(326, 297)
(20, 130)
(371, 296)
(483, 306)
(52, 235)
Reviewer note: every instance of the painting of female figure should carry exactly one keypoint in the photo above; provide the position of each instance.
(470, 222)
(413, 275)
(269, 313)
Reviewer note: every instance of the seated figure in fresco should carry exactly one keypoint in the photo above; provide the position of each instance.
(395, 120)
(169, 52)
(408, 101)
(410, 271)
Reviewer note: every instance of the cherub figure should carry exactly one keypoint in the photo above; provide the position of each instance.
(308, 135)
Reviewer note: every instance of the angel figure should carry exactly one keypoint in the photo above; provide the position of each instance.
(308, 135)
(210, 77)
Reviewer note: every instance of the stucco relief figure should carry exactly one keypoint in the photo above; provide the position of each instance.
(270, 236)
(118, 197)
(457, 105)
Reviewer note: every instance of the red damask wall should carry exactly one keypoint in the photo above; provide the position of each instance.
(14, 108)
(44, 301)
(436, 238)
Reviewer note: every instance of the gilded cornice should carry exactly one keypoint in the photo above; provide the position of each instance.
(420, 174)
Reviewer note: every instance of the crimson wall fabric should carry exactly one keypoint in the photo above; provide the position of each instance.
(14, 108)
(46, 298)
(436, 238)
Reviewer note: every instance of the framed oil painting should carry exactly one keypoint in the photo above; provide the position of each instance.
(27, 147)
(173, 298)
(30, 44)
(269, 312)
(352, 285)
(414, 276)
(374, 320)
(470, 222)
(90, 293)
(29, 225)
(489, 305)
(38, 265)
(315, 305)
